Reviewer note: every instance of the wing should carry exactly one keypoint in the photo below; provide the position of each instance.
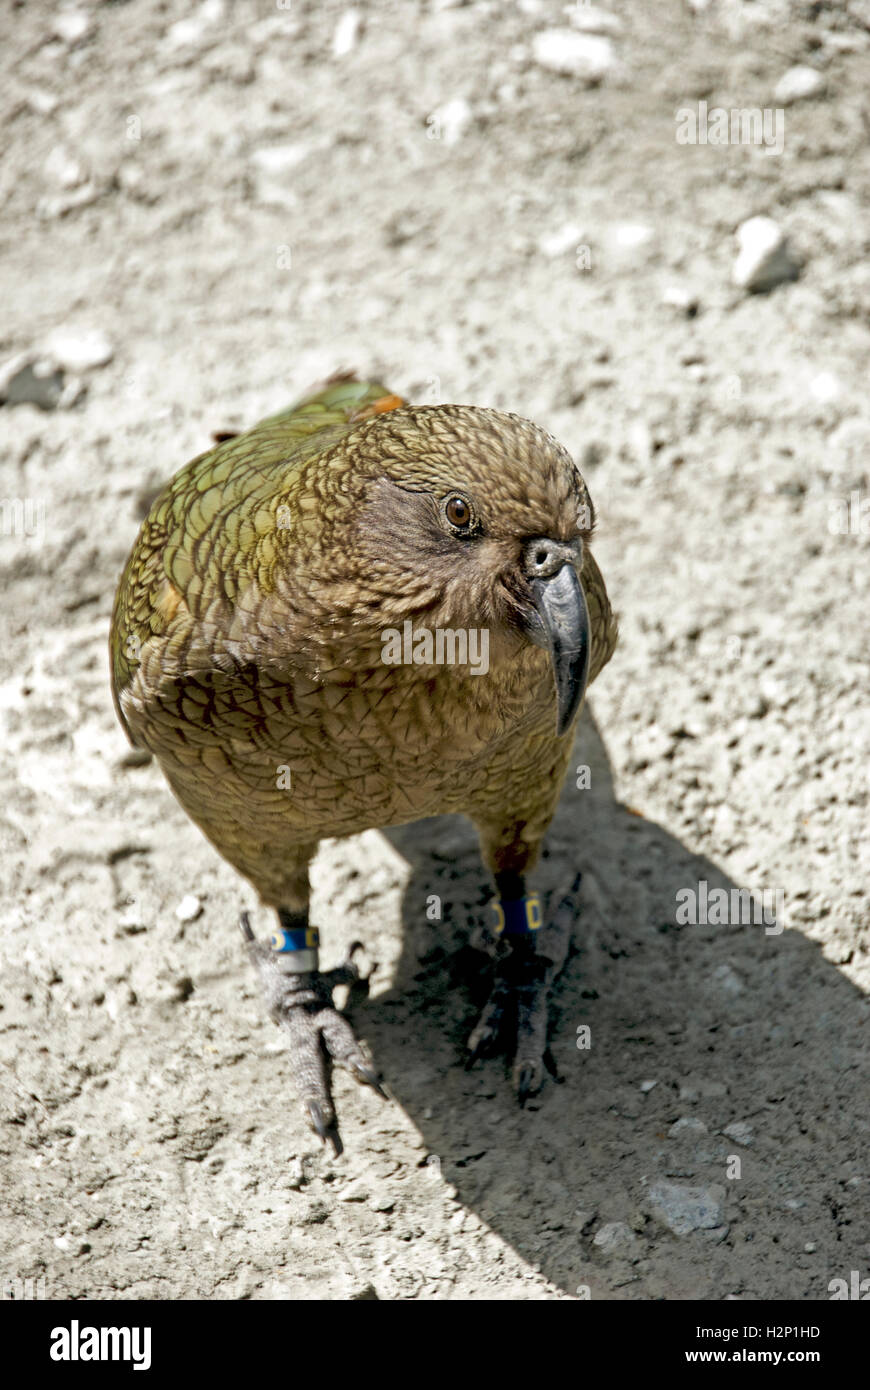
(214, 529)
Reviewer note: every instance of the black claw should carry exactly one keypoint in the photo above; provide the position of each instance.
(328, 1133)
(360, 946)
(317, 1119)
(475, 1053)
(370, 1077)
(550, 1063)
(245, 927)
(524, 1083)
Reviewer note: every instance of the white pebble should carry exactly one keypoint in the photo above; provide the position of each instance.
(193, 29)
(63, 169)
(764, 259)
(826, 387)
(452, 120)
(42, 101)
(679, 297)
(592, 20)
(688, 1124)
(346, 33)
(78, 350)
(556, 243)
(741, 1132)
(630, 242)
(797, 84)
(189, 908)
(71, 26)
(280, 159)
(587, 56)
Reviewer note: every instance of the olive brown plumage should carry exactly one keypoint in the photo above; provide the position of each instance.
(251, 654)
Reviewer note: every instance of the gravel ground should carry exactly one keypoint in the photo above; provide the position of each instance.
(207, 208)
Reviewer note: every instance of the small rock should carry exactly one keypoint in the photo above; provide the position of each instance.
(592, 20)
(452, 120)
(63, 170)
(764, 259)
(71, 26)
(727, 979)
(194, 29)
(741, 1132)
(647, 1086)
(42, 102)
(356, 1191)
(346, 33)
(58, 205)
(78, 350)
(797, 84)
(696, 1087)
(557, 243)
(688, 1124)
(275, 160)
(681, 298)
(588, 57)
(315, 1214)
(274, 166)
(295, 1178)
(615, 1238)
(383, 1203)
(685, 1209)
(189, 908)
(130, 922)
(26, 380)
(826, 388)
(629, 242)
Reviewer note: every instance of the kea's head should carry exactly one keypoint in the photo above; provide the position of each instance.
(468, 518)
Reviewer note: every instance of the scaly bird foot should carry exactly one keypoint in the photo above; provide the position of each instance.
(518, 1005)
(318, 1034)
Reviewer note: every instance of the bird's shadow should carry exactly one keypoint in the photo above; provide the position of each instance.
(695, 1026)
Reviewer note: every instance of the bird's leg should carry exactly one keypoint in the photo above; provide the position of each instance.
(529, 956)
(299, 997)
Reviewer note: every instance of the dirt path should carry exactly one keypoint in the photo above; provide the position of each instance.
(218, 209)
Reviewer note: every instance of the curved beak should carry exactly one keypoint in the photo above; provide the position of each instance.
(560, 604)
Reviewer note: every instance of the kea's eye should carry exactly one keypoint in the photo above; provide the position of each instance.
(458, 512)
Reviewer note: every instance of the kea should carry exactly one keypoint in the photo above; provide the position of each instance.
(358, 614)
